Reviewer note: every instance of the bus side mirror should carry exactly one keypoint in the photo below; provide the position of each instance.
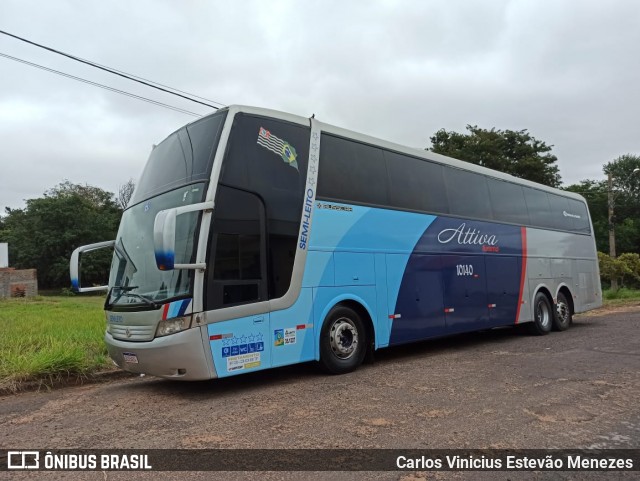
(74, 266)
(164, 236)
(164, 239)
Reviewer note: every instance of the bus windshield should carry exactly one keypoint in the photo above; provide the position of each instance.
(135, 281)
(176, 174)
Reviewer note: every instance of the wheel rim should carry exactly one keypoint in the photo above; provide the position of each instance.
(343, 337)
(563, 312)
(542, 314)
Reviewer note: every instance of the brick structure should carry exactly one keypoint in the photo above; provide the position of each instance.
(18, 283)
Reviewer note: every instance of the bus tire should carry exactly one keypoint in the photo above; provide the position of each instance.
(562, 317)
(343, 341)
(542, 316)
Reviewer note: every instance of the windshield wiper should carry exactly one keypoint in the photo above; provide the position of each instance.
(144, 299)
(121, 290)
(126, 291)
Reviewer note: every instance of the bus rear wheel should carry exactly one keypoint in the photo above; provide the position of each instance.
(562, 318)
(542, 315)
(343, 341)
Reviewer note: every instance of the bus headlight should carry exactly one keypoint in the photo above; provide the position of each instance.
(171, 326)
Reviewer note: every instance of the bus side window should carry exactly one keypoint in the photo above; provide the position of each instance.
(236, 272)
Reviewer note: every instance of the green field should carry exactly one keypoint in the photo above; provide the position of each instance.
(48, 339)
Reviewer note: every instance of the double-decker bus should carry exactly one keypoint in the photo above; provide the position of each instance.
(257, 239)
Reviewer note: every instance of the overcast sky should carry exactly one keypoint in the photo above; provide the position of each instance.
(568, 71)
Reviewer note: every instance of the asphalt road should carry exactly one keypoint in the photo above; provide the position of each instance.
(494, 389)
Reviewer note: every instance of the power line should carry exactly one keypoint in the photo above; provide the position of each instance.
(96, 84)
(135, 78)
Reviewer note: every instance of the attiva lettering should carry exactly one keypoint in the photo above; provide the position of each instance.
(464, 235)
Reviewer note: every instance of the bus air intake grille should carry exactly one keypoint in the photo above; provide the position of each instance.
(133, 333)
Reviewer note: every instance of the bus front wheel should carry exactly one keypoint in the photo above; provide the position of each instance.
(343, 341)
(542, 315)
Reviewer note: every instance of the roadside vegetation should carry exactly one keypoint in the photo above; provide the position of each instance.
(47, 340)
(623, 295)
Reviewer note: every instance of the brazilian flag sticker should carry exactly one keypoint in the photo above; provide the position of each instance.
(285, 150)
(289, 155)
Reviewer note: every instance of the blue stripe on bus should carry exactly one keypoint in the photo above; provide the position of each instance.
(461, 276)
(380, 230)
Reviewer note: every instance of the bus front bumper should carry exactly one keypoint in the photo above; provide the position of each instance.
(178, 356)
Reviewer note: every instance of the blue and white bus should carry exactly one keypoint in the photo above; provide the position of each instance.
(256, 239)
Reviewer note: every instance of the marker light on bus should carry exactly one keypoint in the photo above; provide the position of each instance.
(171, 326)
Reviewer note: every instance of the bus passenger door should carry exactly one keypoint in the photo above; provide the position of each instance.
(236, 276)
(465, 293)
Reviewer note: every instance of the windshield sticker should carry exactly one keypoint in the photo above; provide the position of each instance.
(278, 146)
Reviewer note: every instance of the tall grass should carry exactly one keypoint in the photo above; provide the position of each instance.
(47, 338)
(619, 295)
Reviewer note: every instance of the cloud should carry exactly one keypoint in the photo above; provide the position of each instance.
(565, 71)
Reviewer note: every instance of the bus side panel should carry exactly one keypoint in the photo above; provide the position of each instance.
(503, 294)
(553, 253)
(292, 330)
(525, 314)
(465, 293)
(465, 248)
(381, 322)
(420, 304)
(589, 292)
(240, 345)
(319, 269)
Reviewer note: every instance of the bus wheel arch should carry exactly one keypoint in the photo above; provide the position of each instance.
(543, 312)
(347, 321)
(563, 309)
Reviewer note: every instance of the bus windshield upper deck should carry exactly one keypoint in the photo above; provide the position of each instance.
(257, 239)
(176, 174)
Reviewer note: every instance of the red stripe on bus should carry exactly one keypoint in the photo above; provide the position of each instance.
(215, 337)
(165, 311)
(523, 271)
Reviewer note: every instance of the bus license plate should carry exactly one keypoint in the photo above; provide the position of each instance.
(130, 357)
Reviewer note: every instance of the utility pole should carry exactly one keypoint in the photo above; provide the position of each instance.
(612, 229)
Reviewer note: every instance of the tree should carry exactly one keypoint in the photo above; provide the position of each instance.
(626, 201)
(622, 170)
(44, 233)
(514, 152)
(125, 192)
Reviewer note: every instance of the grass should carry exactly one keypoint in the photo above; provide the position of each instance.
(621, 296)
(47, 339)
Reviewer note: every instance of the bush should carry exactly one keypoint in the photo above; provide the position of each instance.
(625, 269)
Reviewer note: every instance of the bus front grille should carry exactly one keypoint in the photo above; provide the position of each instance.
(132, 333)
